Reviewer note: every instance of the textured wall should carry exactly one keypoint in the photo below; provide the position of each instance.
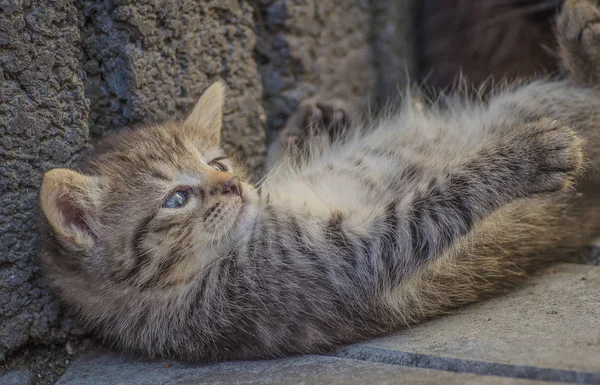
(147, 61)
(72, 71)
(43, 118)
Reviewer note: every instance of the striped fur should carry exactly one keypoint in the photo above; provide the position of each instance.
(427, 210)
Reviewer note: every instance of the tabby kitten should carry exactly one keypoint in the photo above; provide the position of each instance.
(162, 248)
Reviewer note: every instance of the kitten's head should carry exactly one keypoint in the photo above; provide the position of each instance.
(151, 207)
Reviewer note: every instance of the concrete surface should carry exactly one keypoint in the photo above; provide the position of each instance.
(17, 377)
(73, 70)
(101, 369)
(548, 331)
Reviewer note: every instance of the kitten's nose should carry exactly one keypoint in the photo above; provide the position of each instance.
(232, 186)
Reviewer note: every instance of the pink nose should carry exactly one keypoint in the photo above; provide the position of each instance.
(232, 186)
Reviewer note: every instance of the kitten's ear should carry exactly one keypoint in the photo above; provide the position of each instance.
(207, 115)
(69, 201)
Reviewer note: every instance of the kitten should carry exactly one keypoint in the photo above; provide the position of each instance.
(162, 248)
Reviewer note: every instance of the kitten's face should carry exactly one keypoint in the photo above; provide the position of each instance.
(154, 206)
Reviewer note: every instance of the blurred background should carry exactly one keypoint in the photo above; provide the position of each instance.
(485, 39)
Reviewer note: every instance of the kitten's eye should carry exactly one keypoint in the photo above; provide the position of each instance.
(176, 200)
(218, 165)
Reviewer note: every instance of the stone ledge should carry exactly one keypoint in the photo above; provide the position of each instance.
(109, 368)
(552, 321)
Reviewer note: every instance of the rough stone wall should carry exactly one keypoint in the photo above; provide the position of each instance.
(149, 60)
(43, 124)
(72, 71)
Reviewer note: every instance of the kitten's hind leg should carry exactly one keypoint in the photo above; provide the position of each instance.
(315, 116)
(498, 253)
(578, 31)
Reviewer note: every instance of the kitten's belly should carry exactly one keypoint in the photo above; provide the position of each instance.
(331, 193)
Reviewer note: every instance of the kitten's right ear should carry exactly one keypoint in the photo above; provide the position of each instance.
(207, 115)
(69, 201)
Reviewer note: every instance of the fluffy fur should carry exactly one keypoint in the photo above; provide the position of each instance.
(425, 211)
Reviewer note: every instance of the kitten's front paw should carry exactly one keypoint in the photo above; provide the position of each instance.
(314, 117)
(552, 155)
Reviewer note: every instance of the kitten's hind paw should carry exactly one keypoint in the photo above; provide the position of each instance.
(315, 117)
(578, 30)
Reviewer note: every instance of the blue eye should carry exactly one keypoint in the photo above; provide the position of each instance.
(176, 200)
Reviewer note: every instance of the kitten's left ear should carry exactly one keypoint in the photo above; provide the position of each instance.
(70, 201)
(207, 115)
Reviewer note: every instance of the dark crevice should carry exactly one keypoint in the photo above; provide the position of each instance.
(456, 365)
